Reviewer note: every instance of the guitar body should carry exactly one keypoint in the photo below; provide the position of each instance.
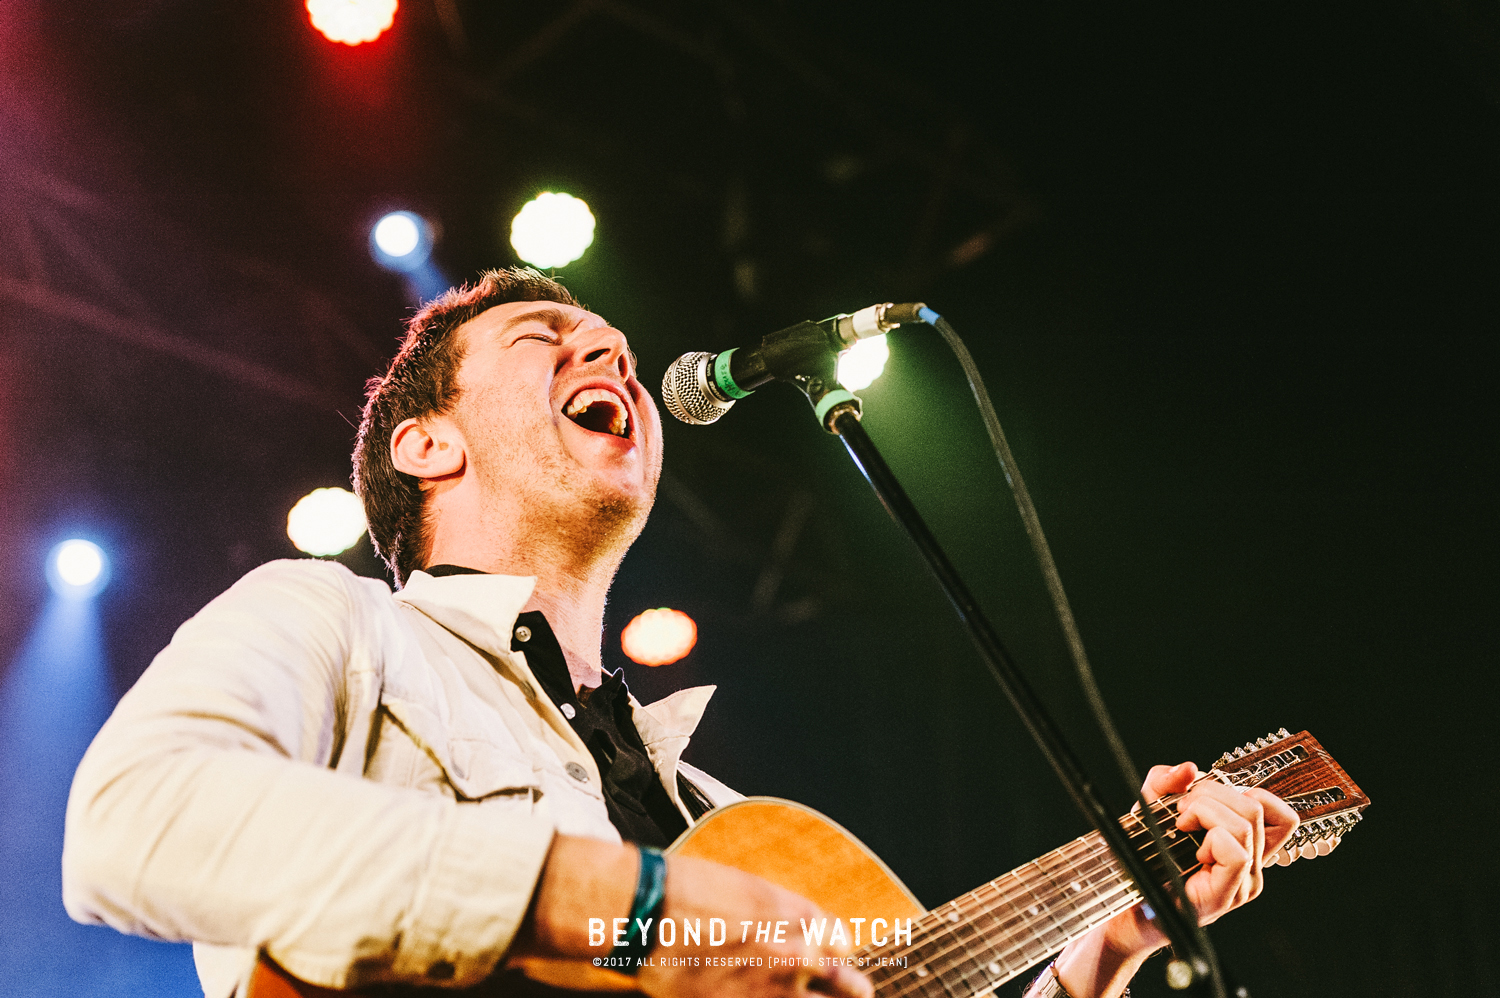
(786, 843)
(974, 943)
(808, 853)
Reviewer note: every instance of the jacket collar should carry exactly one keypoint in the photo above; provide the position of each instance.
(482, 610)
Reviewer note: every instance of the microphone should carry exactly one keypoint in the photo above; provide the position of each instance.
(700, 387)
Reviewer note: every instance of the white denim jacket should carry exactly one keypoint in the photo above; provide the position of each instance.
(362, 784)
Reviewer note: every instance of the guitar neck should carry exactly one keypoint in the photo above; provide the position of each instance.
(976, 942)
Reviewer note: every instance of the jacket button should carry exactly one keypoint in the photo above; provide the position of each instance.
(440, 971)
(577, 772)
(523, 633)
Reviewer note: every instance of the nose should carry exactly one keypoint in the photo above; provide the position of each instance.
(607, 345)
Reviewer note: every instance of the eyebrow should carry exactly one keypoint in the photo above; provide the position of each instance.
(555, 318)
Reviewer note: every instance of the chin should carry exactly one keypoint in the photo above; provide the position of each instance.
(620, 503)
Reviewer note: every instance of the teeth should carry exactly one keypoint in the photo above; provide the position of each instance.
(619, 422)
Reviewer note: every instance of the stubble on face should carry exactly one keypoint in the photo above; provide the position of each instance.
(558, 506)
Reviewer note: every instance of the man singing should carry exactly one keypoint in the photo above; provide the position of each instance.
(430, 785)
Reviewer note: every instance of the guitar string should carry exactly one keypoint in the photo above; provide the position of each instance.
(1094, 858)
(1028, 949)
(1085, 868)
(1115, 894)
(1006, 959)
(1082, 918)
(971, 966)
(1094, 862)
(915, 982)
(1118, 898)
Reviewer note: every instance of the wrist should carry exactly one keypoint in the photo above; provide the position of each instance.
(1131, 936)
(582, 879)
(1102, 963)
(645, 911)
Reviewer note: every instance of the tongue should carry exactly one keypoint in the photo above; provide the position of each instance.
(597, 416)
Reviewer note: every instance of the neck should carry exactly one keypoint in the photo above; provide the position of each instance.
(574, 564)
(575, 609)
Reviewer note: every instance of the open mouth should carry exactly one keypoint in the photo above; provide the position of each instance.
(599, 410)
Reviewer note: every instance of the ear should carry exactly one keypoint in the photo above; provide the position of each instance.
(428, 448)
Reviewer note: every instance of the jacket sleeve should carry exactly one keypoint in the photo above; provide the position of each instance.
(206, 808)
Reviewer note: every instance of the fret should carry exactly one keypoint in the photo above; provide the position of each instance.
(998, 932)
(1096, 868)
(1108, 888)
(971, 967)
(1066, 873)
(982, 957)
(1029, 918)
(970, 946)
(917, 976)
(1045, 903)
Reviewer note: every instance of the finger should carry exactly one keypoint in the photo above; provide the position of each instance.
(1163, 780)
(1204, 811)
(1280, 820)
(1218, 887)
(1248, 806)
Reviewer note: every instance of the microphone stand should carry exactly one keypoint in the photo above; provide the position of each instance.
(838, 410)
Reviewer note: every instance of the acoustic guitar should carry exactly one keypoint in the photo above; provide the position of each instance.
(973, 944)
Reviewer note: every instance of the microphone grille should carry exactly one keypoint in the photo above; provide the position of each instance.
(687, 392)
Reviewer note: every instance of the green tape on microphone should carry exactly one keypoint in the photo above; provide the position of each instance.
(723, 379)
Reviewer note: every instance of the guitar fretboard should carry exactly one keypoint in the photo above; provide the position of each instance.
(975, 943)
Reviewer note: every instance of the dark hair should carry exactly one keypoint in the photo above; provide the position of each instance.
(423, 381)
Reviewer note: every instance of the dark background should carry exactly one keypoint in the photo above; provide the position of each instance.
(1231, 274)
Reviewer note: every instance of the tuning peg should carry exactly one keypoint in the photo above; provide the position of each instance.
(1308, 850)
(1283, 733)
(1285, 858)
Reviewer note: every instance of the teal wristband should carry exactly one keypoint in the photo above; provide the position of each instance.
(645, 910)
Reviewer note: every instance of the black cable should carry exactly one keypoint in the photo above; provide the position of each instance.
(1074, 640)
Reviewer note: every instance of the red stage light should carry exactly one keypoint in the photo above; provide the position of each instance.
(659, 637)
(351, 21)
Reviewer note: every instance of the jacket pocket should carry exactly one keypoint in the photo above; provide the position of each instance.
(477, 766)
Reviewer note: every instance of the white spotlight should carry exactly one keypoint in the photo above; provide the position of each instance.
(862, 363)
(77, 568)
(401, 241)
(552, 230)
(326, 521)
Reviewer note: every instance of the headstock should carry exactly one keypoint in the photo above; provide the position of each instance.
(1299, 771)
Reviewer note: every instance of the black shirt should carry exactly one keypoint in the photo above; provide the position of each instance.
(639, 806)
